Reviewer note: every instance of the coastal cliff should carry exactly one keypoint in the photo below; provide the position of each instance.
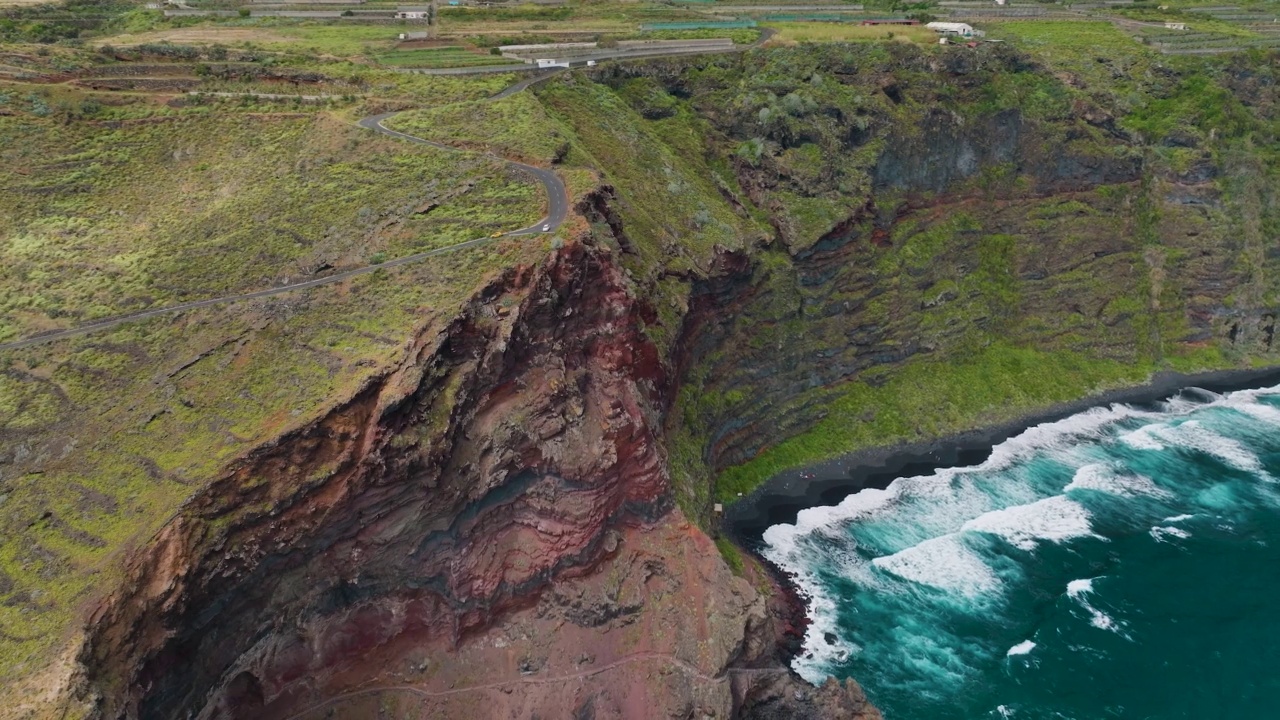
(500, 495)
(789, 254)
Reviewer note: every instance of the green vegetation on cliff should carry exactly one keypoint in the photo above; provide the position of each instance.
(101, 218)
(833, 246)
(128, 204)
(926, 399)
(989, 231)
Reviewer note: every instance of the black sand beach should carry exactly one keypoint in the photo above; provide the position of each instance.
(784, 495)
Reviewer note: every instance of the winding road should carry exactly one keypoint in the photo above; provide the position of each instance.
(557, 197)
(557, 211)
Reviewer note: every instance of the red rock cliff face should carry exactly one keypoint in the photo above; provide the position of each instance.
(502, 454)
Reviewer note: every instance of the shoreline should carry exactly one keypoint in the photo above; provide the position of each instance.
(781, 498)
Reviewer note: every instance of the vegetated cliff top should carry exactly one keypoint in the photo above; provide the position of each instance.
(122, 202)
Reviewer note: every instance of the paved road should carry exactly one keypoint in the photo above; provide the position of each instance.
(557, 197)
(557, 211)
(268, 96)
(557, 204)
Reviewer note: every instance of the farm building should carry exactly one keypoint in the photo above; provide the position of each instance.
(954, 28)
(413, 14)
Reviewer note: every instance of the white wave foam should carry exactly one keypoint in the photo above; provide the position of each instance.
(1162, 533)
(1062, 433)
(943, 562)
(1079, 590)
(1177, 518)
(937, 506)
(1191, 434)
(1101, 478)
(1258, 411)
(1021, 648)
(1141, 439)
(791, 551)
(1182, 405)
(1055, 519)
(1102, 621)
(858, 505)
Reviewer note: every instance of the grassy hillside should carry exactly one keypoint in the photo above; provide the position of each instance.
(104, 217)
(117, 207)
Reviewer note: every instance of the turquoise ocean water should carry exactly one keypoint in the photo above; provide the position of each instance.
(1120, 563)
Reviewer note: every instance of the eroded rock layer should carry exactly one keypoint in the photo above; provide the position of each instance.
(488, 463)
(489, 529)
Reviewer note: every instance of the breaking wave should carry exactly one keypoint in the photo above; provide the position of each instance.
(985, 591)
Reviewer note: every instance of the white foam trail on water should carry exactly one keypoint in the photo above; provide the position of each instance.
(864, 503)
(1182, 405)
(1078, 590)
(1141, 439)
(1191, 434)
(1022, 648)
(1160, 534)
(1257, 411)
(1055, 519)
(951, 502)
(942, 562)
(1061, 434)
(1177, 518)
(1099, 477)
(787, 548)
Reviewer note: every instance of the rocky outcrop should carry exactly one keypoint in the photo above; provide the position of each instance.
(503, 453)
(491, 515)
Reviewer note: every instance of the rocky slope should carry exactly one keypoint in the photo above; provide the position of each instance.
(493, 515)
(514, 518)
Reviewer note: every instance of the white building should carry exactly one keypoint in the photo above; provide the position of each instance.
(1175, 26)
(954, 28)
(412, 14)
